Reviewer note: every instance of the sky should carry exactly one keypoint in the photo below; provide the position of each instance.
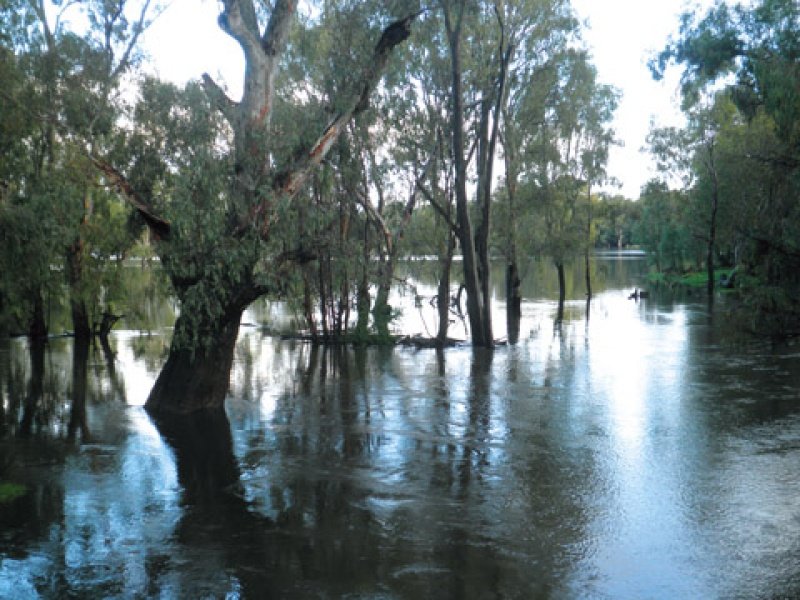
(185, 42)
(622, 35)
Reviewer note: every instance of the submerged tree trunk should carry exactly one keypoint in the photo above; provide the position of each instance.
(196, 373)
(81, 321)
(195, 379)
(513, 282)
(443, 290)
(588, 268)
(35, 387)
(587, 261)
(513, 302)
(37, 324)
(562, 288)
(363, 301)
(206, 465)
(78, 424)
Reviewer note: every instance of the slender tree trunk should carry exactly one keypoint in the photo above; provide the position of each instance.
(562, 288)
(464, 232)
(484, 202)
(81, 323)
(443, 290)
(513, 302)
(323, 296)
(363, 308)
(308, 302)
(363, 299)
(587, 261)
(712, 236)
(513, 282)
(35, 387)
(491, 111)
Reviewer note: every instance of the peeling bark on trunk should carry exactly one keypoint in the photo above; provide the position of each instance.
(194, 379)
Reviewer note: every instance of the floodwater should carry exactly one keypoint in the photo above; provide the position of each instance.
(639, 453)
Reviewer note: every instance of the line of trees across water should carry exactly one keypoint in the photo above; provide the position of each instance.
(367, 131)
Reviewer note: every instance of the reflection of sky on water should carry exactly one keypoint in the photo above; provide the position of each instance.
(118, 508)
(634, 455)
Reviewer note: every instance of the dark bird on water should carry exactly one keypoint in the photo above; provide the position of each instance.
(637, 293)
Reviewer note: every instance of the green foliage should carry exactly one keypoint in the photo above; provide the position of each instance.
(743, 143)
(186, 161)
(616, 218)
(10, 491)
(59, 106)
(662, 230)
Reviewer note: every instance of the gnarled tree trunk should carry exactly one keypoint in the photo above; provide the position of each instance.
(196, 374)
(196, 378)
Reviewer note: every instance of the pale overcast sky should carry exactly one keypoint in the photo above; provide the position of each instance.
(622, 35)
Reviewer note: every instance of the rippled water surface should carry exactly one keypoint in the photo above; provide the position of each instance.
(636, 453)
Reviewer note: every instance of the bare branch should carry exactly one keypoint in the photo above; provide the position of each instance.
(219, 98)
(412, 198)
(139, 27)
(159, 226)
(290, 181)
(436, 206)
(377, 220)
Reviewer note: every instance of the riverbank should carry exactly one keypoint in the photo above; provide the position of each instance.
(692, 279)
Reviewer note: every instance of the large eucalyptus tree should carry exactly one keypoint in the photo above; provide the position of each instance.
(220, 224)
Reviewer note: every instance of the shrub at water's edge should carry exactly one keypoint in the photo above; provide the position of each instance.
(11, 491)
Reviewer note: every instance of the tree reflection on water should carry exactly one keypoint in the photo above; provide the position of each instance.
(637, 454)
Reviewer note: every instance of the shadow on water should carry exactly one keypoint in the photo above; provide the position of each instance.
(78, 426)
(637, 454)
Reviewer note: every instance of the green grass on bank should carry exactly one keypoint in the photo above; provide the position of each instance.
(692, 279)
